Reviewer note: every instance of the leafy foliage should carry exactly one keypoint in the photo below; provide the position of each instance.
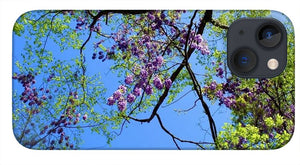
(154, 55)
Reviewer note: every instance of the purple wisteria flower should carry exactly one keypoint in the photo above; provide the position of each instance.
(220, 72)
(44, 97)
(151, 17)
(250, 94)
(168, 83)
(122, 88)
(148, 45)
(173, 30)
(117, 94)
(144, 74)
(158, 61)
(122, 103)
(182, 40)
(219, 94)
(194, 45)
(198, 38)
(150, 67)
(229, 102)
(111, 101)
(203, 47)
(129, 79)
(271, 135)
(292, 108)
(157, 83)
(137, 91)
(84, 117)
(149, 89)
(213, 85)
(130, 98)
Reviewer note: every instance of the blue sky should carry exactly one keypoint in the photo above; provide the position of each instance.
(187, 126)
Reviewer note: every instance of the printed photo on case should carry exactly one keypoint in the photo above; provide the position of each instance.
(143, 79)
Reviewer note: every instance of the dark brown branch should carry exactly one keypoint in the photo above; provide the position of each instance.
(171, 39)
(278, 96)
(24, 129)
(178, 99)
(89, 13)
(42, 16)
(188, 34)
(122, 127)
(138, 120)
(174, 137)
(197, 88)
(124, 12)
(207, 16)
(84, 126)
(48, 34)
(176, 143)
(271, 97)
(35, 142)
(186, 110)
(130, 113)
(218, 24)
(106, 18)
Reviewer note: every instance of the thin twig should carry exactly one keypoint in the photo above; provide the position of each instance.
(197, 88)
(174, 137)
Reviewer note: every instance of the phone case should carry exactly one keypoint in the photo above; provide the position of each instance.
(143, 79)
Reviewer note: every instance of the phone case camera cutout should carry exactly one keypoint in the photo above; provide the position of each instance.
(153, 79)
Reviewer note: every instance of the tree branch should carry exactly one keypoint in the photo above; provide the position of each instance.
(197, 88)
(178, 99)
(218, 24)
(48, 34)
(207, 16)
(95, 19)
(188, 34)
(174, 137)
(187, 52)
(186, 110)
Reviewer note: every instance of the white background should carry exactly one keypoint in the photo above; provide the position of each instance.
(13, 153)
